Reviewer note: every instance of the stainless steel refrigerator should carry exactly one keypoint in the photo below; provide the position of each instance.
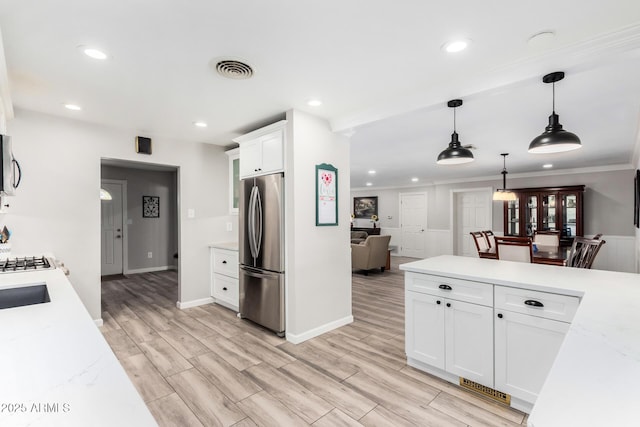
(262, 251)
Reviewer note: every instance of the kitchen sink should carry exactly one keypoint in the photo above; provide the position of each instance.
(25, 295)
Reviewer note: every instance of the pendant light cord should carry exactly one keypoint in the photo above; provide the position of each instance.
(454, 119)
(553, 102)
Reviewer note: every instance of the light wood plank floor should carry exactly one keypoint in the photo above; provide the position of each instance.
(204, 367)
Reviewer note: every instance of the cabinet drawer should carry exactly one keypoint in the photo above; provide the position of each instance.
(225, 288)
(446, 287)
(225, 262)
(541, 304)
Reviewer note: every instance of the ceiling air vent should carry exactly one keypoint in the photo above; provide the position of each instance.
(233, 69)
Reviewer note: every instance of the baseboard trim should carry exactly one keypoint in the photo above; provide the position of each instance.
(298, 338)
(98, 322)
(194, 303)
(150, 269)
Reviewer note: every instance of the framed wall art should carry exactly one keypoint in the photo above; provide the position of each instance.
(326, 195)
(150, 207)
(365, 207)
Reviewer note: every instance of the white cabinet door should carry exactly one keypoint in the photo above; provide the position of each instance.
(262, 155)
(525, 347)
(469, 341)
(424, 328)
(272, 152)
(250, 158)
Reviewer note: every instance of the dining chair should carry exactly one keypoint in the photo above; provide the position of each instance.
(514, 249)
(583, 252)
(597, 236)
(490, 237)
(481, 243)
(547, 238)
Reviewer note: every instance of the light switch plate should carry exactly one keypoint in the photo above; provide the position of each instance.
(191, 213)
(229, 226)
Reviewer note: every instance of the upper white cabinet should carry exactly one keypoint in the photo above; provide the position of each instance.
(262, 151)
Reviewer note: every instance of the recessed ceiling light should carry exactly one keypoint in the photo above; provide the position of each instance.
(369, 184)
(372, 172)
(541, 40)
(414, 179)
(547, 165)
(314, 103)
(72, 107)
(200, 124)
(94, 53)
(456, 45)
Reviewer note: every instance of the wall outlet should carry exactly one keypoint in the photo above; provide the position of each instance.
(149, 254)
(229, 226)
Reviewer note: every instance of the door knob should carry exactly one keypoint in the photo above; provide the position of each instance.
(118, 230)
(118, 236)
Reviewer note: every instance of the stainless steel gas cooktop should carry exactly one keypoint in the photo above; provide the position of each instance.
(13, 265)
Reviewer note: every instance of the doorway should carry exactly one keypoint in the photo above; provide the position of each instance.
(113, 196)
(471, 210)
(413, 224)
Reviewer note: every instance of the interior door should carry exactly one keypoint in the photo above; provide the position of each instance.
(413, 224)
(473, 214)
(111, 234)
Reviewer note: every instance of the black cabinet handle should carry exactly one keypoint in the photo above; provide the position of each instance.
(438, 302)
(445, 287)
(533, 303)
(224, 262)
(448, 304)
(224, 289)
(499, 315)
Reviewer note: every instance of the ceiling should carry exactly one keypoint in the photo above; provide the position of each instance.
(377, 66)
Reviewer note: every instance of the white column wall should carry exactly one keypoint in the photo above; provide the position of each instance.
(318, 258)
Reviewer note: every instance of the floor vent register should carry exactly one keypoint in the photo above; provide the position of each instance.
(486, 391)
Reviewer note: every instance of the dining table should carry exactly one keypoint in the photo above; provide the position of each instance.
(551, 255)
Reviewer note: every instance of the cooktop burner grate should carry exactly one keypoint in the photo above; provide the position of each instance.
(24, 264)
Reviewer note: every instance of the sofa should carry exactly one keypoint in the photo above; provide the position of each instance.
(370, 254)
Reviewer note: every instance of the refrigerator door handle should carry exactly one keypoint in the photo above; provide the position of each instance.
(258, 231)
(251, 222)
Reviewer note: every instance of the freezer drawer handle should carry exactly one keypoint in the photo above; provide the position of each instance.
(533, 303)
(254, 273)
(445, 287)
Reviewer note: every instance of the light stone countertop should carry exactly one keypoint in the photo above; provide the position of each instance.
(595, 379)
(230, 246)
(56, 369)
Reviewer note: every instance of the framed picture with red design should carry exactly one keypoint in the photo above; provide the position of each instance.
(326, 195)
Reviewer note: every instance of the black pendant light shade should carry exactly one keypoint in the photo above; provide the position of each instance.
(503, 193)
(554, 139)
(455, 154)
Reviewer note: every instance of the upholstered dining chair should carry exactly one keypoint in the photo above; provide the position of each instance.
(583, 252)
(514, 249)
(547, 238)
(490, 237)
(481, 243)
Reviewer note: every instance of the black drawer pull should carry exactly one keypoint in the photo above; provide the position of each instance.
(533, 303)
(224, 262)
(448, 304)
(438, 302)
(499, 315)
(445, 287)
(224, 289)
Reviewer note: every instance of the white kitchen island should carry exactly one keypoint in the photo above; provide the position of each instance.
(56, 369)
(595, 378)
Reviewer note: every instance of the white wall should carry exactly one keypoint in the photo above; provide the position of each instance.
(57, 208)
(318, 258)
(156, 235)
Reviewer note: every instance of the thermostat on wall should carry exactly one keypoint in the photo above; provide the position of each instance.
(143, 145)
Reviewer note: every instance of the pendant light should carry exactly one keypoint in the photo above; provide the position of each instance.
(455, 154)
(554, 139)
(503, 193)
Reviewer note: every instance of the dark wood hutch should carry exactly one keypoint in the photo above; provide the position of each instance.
(545, 208)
